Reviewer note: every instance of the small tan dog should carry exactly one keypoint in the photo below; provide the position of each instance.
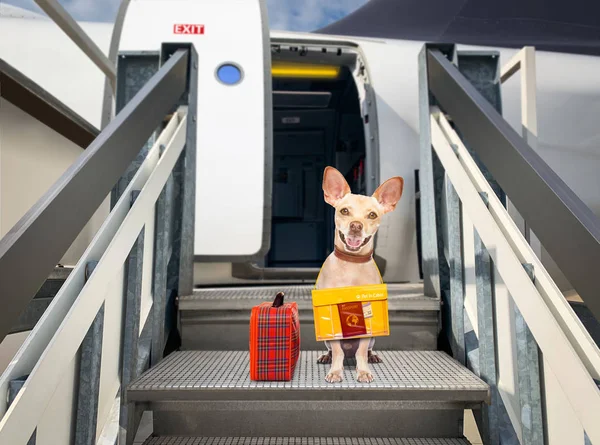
(357, 218)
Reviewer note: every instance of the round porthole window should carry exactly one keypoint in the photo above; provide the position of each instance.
(229, 74)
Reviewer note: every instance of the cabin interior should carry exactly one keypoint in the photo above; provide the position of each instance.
(317, 121)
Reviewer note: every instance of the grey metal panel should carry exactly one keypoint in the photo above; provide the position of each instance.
(161, 260)
(134, 71)
(302, 441)
(528, 378)
(429, 250)
(456, 268)
(482, 70)
(131, 329)
(224, 376)
(487, 341)
(35, 244)
(88, 390)
(25, 94)
(284, 419)
(183, 239)
(567, 228)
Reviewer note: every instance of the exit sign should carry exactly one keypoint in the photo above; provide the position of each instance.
(188, 29)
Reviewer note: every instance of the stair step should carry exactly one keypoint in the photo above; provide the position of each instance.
(218, 318)
(206, 393)
(401, 296)
(171, 440)
(403, 375)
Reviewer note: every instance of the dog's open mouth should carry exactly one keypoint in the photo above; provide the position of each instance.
(354, 243)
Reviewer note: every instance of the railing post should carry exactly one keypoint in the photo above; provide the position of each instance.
(528, 375)
(133, 72)
(89, 376)
(162, 254)
(428, 182)
(131, 328)
(184, 239)
(176, 221)
(487, 341)
(453, 233)
(483, 71)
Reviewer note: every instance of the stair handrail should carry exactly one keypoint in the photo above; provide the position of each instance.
(564, 224)
(86, 294)
(567, 347)
(35, 244)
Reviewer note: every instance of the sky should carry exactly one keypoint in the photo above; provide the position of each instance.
(285, 15)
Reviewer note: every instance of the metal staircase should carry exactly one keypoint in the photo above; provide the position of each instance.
(102, 349)
(204, 391)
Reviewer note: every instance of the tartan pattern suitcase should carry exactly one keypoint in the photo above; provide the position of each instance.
(274, 340)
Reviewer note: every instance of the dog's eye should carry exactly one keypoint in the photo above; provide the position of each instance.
(344, 211)
(372, 215)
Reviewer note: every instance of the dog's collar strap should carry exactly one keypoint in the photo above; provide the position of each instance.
(344, 256)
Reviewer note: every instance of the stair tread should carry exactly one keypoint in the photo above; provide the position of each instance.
(171, 440)
(403, 375)
(401, 296)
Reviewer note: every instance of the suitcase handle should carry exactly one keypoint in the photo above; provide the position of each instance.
(278, 302)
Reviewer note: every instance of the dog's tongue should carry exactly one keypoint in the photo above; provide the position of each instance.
(353, 242)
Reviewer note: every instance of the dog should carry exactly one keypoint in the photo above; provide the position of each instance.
(357, 218)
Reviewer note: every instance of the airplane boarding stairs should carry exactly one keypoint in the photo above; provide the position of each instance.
(95, 361)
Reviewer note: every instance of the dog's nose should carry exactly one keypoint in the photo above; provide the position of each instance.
(355, 226)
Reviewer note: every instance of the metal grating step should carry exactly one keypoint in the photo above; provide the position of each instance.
(406, 296)
(224, 376)
(301, 441)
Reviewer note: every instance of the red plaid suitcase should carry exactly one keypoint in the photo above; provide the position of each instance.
(274, 340)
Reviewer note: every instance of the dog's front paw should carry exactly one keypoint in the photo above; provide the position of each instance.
(373, 358)
(334, 376)
(364, 376)
(325, 359)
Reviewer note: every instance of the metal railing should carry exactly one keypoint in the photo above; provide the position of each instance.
(565, 226)
(515, 329)
(136, 263)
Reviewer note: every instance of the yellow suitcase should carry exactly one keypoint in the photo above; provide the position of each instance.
(351, 312)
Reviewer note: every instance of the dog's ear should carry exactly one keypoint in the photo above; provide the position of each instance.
(335, 186)
(388, 194)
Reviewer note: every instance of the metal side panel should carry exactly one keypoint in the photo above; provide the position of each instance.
(169, 440)
(224, 376)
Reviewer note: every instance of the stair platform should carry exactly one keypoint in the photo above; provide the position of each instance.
(203, 393)
(401, 296)
(169, 440)
(218, 317)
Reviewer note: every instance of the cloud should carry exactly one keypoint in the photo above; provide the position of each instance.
(82, 10)
(285, 15)
(308, 15)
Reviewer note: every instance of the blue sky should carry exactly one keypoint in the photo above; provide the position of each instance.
(289, 15)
